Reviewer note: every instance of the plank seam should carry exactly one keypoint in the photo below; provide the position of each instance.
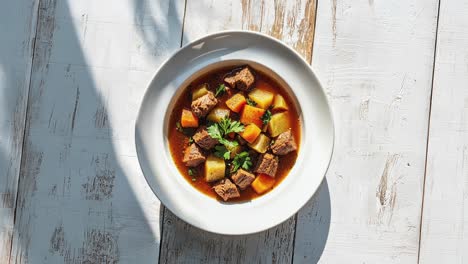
(428, 133)
(315, 26)
(162, 231)
(310, 63)
(161, 236)
(24, 126)
(183, 24)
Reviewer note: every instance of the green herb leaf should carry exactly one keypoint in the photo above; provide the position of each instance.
(192, 172)
(241, 160)
(214, 131)
(229, 126)
(190, 141)
(220, 90)
(222, 152)
(224, 127)
(251, 102)
(179, 127)
(266, 117)
(229, 144)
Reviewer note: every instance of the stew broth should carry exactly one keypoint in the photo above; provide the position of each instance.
(179, 141)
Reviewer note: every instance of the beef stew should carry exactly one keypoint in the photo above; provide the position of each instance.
(234, 133)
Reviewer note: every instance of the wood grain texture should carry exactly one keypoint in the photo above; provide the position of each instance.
(82, 196)
(374, 59)
(444, 234)
(292, 22)
(17, 27)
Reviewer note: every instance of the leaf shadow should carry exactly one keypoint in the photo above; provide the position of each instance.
(82, 197)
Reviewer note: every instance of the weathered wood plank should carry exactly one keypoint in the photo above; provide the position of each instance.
(375, 60)
(83, 198)
(292, 22)
(18, 28)
(444, 236)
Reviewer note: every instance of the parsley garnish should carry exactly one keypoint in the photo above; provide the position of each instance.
(266, 117)
(220, 90)
(251, 102)
(222, 152)
(224, 127)
(229, 126)
(192, 172)
(179, 127)
(241, 160)
(190, 141)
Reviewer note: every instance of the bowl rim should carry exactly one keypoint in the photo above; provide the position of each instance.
(310, 71)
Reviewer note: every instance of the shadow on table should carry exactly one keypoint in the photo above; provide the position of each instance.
(182, 242)
(76, 203)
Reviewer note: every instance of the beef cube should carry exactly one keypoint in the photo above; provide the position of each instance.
(193, 156)
(202, 105)
(226, 189)
(241, 80)
(203, 139)
(267, 164)
(243, 178)
(284, 144)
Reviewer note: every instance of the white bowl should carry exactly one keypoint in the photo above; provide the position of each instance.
(289, 69)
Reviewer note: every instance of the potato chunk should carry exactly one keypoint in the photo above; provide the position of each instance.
(217, 114)
(236, 102)
(200, 91)
(263, 98)
(279, 103)
(278, 124)
(214, 168)
(260, 144)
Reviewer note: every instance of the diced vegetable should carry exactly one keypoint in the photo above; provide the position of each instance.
(260, 144)
(188, 119)
(200, 91)
(262, 97)
(251, 133)
(217, 114)
(236, 102)
(279, 103)
(279, 123)
(252, 114)
(263, 183)
(214, 168)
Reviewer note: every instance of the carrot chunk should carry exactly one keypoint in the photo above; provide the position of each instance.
(251, 133)
(263, 183)
(236, 102)
(188, 119)
(251, 114)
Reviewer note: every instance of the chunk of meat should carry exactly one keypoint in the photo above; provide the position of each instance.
(243, 178)
(267, 164)
(203, 139)
(193, 156)
(284, 143)
(226, 189)
(241, 80)
(202, 105)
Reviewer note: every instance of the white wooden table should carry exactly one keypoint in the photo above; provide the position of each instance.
(73, 73)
